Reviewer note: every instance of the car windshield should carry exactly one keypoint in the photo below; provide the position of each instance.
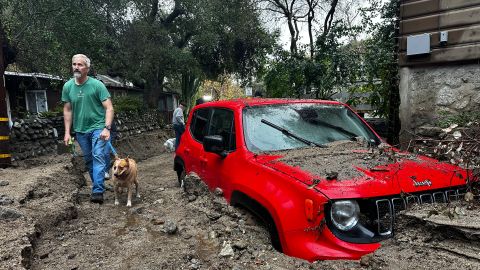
(317, 123)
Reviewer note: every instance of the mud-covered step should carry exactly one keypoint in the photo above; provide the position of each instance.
(457, 219)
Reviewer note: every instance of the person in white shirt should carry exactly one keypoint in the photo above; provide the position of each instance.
(178, 123)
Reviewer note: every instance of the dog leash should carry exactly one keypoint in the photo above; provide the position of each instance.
(109, 144)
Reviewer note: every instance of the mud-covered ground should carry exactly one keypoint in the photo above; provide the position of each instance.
(48, 222)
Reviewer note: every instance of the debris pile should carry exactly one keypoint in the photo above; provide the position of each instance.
(459, 145)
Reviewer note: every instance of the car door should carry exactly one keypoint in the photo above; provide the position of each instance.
(198, 130)
(216, 170)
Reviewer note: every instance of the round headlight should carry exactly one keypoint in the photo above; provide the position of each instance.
(345, 214)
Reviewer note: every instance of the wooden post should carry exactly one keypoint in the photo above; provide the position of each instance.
(5, 156)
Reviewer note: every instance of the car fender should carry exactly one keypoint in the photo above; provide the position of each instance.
(283, 198)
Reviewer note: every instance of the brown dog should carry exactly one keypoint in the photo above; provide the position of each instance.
(125, 176)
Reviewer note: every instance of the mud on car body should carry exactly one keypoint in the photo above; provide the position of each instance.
(320, 178)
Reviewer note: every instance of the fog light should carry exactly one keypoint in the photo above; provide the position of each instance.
(345, 214)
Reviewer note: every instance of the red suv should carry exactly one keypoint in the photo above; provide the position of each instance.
(320, 178)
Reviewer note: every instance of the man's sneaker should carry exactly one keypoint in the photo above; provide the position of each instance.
(107, 175)
(97, 198)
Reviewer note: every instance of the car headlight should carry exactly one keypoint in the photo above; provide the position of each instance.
(345, 214)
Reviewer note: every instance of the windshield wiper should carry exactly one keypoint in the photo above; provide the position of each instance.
(352, 135)
(290, 134)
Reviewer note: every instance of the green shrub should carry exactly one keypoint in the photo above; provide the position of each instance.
(127, 104)
(446, 119)
(49, 114)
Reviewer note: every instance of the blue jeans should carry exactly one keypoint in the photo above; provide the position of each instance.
(179, 129)
(93, 149)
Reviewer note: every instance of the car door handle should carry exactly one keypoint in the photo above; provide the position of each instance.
(187, 151)
(203, 160)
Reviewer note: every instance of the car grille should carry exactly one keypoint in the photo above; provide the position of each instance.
(387, 208)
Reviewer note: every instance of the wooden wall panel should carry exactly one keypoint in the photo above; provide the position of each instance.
(426, 7)
(462, 53)
(455, 37)
(446, 20)
(459, 18)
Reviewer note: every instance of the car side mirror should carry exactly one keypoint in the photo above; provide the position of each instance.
(214, 144)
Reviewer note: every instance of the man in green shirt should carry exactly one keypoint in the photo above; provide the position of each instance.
(89, 108)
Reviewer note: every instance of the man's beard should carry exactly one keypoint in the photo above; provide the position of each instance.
(77, 74)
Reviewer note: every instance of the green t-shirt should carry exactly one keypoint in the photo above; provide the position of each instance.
(86, 101)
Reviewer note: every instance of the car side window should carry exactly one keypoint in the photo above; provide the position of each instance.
(199, 125)
(222, 124)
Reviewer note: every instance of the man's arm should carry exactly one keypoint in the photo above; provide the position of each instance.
(67, 120)
(107, 104)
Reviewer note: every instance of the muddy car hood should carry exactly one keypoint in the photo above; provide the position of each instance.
(349, 170)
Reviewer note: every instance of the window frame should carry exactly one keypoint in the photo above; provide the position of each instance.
(36, 92)
(232, 128)
(194, 122)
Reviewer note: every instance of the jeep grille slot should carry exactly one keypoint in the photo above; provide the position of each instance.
(388, 208)
(398, 205)
(442, 196)
(384, 217)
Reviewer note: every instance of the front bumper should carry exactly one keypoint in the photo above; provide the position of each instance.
(377, 222)
(377, 218)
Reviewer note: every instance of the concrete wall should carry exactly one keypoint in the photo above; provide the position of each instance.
(425, 92)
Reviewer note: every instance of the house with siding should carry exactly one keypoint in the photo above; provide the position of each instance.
(439, 59)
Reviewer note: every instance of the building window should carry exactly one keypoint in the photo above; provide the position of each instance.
(36, 101)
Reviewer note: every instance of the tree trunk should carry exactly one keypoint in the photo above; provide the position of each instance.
(155, 88)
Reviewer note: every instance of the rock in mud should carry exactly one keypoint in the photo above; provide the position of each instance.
(366, 260)
(5, 200)
(240, 245)
(227, 250)
(4, 183)
(8, 213)
(218, 192)
(193, 185)
(170, 227)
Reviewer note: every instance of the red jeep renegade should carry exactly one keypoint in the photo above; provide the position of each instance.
(318, 176)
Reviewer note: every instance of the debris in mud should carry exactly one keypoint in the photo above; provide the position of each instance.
(457, 214)
(170, 227)
(227, 250)
(4, 183)
(459, 145)
(9, 214)
(5, 200)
